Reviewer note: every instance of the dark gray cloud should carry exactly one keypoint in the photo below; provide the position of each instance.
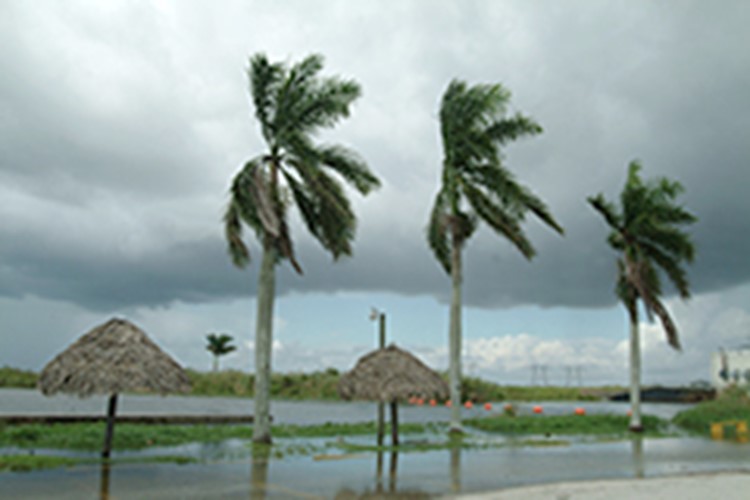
(116, 146)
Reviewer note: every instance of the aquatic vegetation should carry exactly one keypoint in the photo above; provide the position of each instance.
(565, 425)
(732, 404)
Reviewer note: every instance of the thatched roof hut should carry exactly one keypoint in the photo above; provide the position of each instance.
(389, 375)
(114, 357)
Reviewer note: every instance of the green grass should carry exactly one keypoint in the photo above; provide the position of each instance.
(565, 425)
(321, 385)
(732, 404)
(89, 437)
(13, 377)
(25, 463)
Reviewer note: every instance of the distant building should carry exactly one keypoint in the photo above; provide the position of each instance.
(730, 367)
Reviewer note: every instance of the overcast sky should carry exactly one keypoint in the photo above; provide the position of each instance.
(122, 124)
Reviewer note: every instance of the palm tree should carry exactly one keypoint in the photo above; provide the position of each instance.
(291, 105)
(476, 186)
(647, 234)
(219, 345)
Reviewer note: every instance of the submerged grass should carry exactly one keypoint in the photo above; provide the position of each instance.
(26, 463)
(566, 425)
(89, 436)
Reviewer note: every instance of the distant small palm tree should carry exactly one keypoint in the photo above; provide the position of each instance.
(646, 232)
(476, 186)
(219, 345)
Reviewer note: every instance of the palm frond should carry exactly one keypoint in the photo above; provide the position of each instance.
(265, 78)
(349, 166)
(238, 251)
(510, 129)
(498, 219)
(437, 231)
(324, 207)
(607, 210)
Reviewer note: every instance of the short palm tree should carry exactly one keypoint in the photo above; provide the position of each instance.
(219, 345)
(291, 105)
(647, 234)
(476, 186)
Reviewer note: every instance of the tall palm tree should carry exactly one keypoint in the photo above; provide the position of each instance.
(647, 234)
(219, 345)
(291, 105)
(476, 186)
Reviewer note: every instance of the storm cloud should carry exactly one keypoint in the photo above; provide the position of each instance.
(121, 125)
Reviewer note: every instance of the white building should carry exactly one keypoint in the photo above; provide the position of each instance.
(730, 367)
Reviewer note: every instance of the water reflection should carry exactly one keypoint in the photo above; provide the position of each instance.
(456, 469)
(259, 471)
(104, 480)
(638, 461)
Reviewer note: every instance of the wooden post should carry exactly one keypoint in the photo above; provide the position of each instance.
(109, 433)
(394, 423)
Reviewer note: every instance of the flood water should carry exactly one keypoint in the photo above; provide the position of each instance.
(229, 470)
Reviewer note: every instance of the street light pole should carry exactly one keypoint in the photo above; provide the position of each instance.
(380, 316)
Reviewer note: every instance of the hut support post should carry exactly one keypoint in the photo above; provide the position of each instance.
(110, 432)
(394, 423)
(381, 405)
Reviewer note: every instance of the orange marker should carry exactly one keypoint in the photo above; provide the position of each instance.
(448, 403)
(420, 402)
(433, 402)
(469, 405)
(580, 411)
(537, 409)
(487, 406)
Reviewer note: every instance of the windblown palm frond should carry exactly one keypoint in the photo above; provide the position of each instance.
(291, 105)
(473, 128)
(647, 230)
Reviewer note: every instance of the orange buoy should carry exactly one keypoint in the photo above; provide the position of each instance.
(580, 411)
(420, 402)
(433, 402)
(487, 406)
(469, 405)
(537, 409)
(448, 403)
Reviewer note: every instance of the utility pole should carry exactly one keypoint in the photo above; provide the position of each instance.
(380, 317)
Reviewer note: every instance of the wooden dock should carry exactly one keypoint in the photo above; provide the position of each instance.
(129, 419)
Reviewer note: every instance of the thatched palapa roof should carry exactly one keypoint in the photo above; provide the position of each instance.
(114, 357)
(391, 374)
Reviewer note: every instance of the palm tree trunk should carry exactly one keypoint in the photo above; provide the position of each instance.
(216, 363)
(454, 341)
(635, 374)
(263, 343)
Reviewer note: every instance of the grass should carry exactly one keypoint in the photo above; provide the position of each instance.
(13, 377)
(566, 425)
(88, 437)
(26, 463)
(321, 385)
(732, 404)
